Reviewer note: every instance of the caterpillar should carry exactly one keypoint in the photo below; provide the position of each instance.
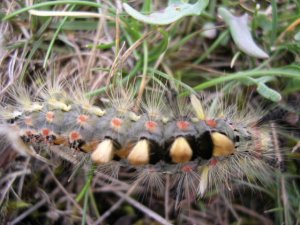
(202, 144)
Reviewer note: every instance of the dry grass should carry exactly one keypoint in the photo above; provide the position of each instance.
(101, 48)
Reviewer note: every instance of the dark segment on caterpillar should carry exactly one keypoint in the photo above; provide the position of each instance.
(120, 135)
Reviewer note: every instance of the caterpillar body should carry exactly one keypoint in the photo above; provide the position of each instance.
(203, 144)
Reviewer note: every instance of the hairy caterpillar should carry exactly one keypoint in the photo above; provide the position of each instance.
(202, 144)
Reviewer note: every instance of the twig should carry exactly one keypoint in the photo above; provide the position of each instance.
(252, 213)
(144, 209)
(91, 60)
(279, 157)
(27, 212)
(21, 183)
(14, 175)
(144, 78)
(3, 192)
(80, 14)
(231, 209)
(114, 207)
(167, 197)
(128, 52)
(68, 195)
(296, 147)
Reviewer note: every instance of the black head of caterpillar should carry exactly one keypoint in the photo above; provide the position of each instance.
(176, 137)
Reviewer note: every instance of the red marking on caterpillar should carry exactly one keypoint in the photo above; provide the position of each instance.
(74, 136)
(28, 121)
(81, 119)
(151, 126)
(46, 132)
(187, 168)
(30, 136)
(30, 132)
(183, 125)
(116, 123)
(211, 123)
(50, 116)
(213, 162)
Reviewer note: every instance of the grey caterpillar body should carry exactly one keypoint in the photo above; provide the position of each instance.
(215, 145)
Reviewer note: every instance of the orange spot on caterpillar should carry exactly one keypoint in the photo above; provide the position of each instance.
(74, 135)
(187, 168)
(116, 123)
(29, 132)
(81, 119)
(151, 126)
(28, 121)
(183, 125)
(211, 123)
(213, 162)
(30, 136)
(50, 116)
(46, 132)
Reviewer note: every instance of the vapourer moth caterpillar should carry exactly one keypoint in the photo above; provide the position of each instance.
(201, 144)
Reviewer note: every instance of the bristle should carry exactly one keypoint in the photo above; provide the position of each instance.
(154, 105)
(22, 99)
(122, 100)
(52, 91)
(197, 106)
(104, 152)
(186, 184)
(9, 112)
(12, 134)
(184, 108)
(52, 88)
(203, 181)
(150, 181)
(79, 97)
(180, 151)
(110, 169)
(140, 154)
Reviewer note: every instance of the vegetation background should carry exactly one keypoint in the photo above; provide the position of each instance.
(99, 43)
